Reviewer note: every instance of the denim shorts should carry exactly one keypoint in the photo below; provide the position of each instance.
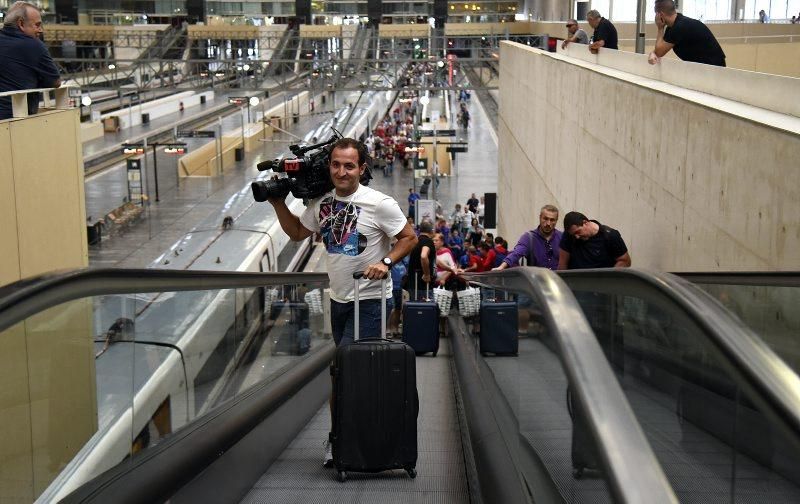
(343, 316)
(397, 299)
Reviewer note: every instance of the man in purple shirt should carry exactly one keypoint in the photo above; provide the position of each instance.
(540, 246)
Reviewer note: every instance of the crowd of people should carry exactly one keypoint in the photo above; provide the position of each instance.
(387, 143)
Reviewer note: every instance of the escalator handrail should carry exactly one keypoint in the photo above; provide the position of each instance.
(770, 378)
(28, 297)
(750, 278)
(633, 471)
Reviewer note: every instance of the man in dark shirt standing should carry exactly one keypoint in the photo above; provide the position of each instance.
(589, 244)
(605, 33)
(421, 262)
(472, 204)
(24, 60)
(689, 38)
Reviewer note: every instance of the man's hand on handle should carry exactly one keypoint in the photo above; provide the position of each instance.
(376, 271)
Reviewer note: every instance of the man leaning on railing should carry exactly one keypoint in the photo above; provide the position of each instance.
(24, 60)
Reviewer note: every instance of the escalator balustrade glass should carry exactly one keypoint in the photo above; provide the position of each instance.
(714, 439)
(93, 382)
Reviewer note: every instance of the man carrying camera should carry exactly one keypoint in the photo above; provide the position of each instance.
(357, 225)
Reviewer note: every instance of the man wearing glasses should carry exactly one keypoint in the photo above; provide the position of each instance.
(540, 246)
(589, 244)
(576, 34)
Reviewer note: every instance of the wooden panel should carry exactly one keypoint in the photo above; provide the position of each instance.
(48, 182)
(62, 386)
(16, 476)
(9, 247)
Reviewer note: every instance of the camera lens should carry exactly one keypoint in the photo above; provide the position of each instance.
(265, 189)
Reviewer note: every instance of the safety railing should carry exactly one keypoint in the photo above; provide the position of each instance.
(19, 99)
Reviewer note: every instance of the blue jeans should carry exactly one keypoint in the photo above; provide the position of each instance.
(343, 317)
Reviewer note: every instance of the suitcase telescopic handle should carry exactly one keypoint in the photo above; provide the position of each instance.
(358, 275)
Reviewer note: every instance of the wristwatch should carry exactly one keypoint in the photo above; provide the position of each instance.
(387, 262)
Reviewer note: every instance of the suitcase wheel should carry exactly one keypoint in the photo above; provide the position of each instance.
(434, 354)
(342, 476)
(412, 473)
(577, 472)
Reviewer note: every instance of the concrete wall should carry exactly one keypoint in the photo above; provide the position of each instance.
(693, 181)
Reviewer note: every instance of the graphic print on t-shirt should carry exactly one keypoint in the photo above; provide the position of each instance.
(338, 222)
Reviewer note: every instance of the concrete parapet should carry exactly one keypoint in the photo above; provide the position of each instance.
(693, 180)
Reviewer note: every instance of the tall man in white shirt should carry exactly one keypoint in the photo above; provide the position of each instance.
(357, 225)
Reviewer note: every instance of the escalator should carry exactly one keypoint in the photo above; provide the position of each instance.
(678, 399)
(282, 62)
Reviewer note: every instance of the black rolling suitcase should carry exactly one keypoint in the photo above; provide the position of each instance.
(421, 325)
(375, 403)
(584, 455)
(499, 327)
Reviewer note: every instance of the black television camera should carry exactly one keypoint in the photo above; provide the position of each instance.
(307, 176)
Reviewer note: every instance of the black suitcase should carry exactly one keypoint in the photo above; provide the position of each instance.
(290, 333)
(375, 404)
(421, 325)
(499, 327)
(584, 455)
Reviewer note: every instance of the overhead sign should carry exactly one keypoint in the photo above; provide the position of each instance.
(176, 148)
(438, 133)
(133, 148)
(457, 148)
(196, 133)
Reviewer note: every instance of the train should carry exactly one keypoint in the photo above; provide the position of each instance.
(164, 359)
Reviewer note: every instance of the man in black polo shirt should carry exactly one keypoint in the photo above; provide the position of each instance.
(605, 34)
(589, 244)
(24, 60)
(689, 38)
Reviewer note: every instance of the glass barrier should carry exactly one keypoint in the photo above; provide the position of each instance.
(705, 426)
(534, 385)
(768, 310)
(90, 383)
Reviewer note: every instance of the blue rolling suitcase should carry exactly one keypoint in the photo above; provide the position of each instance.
(499, 327)
(421, 325)
(375, 405)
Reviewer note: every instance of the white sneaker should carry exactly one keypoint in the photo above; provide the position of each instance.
(328, 454)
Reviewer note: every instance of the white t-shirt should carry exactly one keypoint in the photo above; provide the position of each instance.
(356, 231)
